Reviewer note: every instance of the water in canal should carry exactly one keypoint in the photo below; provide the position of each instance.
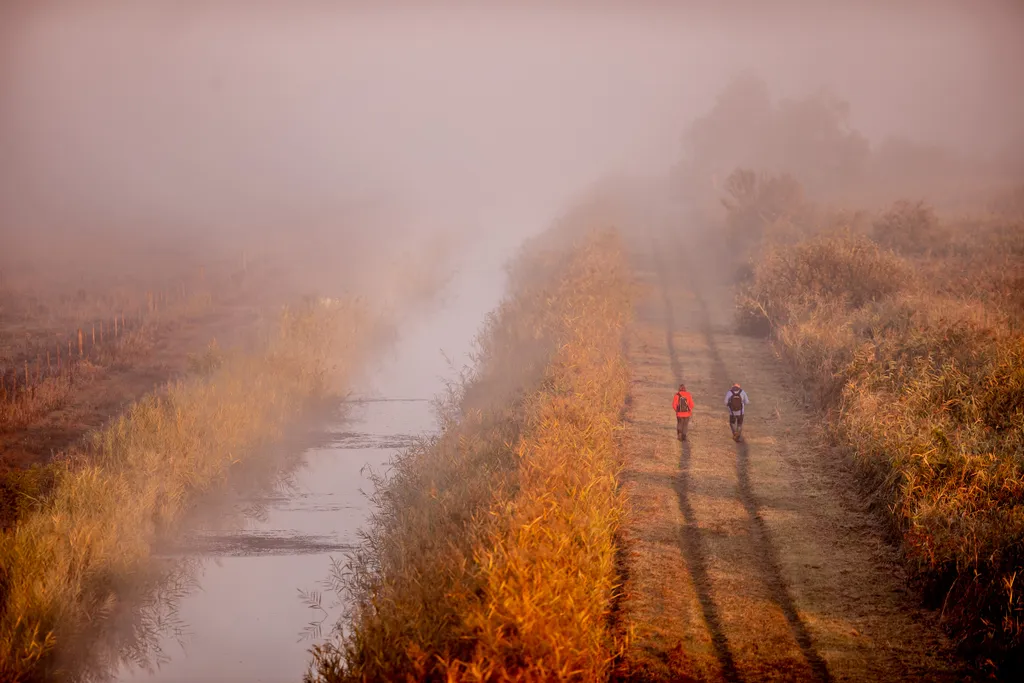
(245, 619)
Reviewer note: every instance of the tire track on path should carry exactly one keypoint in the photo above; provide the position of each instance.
(690, 538)
(771, 573)
(745, 562)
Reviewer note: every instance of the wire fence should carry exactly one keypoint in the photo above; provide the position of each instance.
(45, 368)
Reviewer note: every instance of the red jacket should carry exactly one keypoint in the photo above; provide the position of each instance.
(689, 401)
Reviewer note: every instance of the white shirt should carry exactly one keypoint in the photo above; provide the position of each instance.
(743, 395)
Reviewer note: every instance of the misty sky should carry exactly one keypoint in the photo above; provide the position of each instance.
(198, 113)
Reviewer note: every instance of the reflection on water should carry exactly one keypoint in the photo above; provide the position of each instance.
(157, 620)
(270, 542)
(148, 622)
(260, 582)
(251, 598)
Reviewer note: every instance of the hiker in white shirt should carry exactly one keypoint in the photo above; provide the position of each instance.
(735, 400)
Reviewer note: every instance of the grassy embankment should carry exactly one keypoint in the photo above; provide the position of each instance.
(907, 330)
(492, 555)
(54, 339)
(87, 540)
(68, 363)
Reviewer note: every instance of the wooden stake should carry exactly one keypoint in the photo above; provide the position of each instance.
(26, 373)
(94, 335)
(115, 327)
(81, 346)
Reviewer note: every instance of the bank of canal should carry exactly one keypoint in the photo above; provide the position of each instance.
(244, 619)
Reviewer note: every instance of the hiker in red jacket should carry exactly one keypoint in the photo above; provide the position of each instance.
(682, 403)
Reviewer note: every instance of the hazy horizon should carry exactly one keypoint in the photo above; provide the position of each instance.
(221, 118)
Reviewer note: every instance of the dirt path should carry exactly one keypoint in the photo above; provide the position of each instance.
(753, 561)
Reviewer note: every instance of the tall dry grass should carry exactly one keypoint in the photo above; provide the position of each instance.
(918, 361)
(491, 554)
(81, 546)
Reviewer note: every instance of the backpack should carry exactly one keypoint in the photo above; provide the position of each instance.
(736, 401)
(684, 405)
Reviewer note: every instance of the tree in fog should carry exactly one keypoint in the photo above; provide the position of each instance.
(814, 140)
(733, 133)
(809, 137)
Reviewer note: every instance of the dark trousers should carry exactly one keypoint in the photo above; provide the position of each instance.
(682, 424)
(736, 424)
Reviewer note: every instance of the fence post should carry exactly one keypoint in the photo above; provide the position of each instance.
(94, 335)
(81, 346)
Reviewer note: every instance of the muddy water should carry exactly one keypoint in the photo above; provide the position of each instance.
(247, 621)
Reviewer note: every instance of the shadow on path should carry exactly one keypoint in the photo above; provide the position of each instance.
(764, 547)
(690, 540)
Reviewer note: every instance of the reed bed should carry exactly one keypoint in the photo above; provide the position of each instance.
(490, 556)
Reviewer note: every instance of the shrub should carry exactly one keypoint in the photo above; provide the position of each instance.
(755, 201)
(1009, 203)
(824, 270)
(206, 362)
(910, 228)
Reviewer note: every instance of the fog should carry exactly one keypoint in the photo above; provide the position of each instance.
(343, 142)
(342, 129)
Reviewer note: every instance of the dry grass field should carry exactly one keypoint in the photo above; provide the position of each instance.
(905, 327)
